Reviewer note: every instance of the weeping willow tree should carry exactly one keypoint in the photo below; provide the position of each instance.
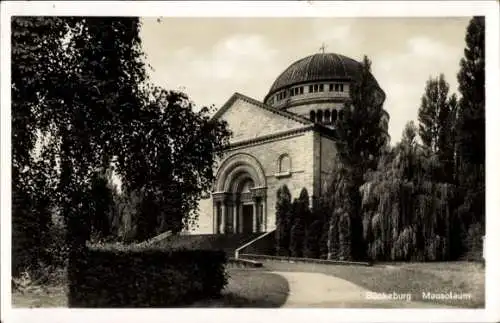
(407, 215)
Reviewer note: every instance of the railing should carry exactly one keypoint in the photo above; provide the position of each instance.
(237, 251)
(305, 260)
(154, 239)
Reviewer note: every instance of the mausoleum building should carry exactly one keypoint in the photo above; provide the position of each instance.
(288, 138)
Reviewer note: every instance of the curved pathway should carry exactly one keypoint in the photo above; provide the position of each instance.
(320, 290)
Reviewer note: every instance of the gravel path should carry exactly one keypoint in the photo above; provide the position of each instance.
(319, 290)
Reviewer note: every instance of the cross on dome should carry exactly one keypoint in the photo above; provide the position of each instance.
(322, 48)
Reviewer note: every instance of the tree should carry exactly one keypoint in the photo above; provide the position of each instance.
(33, 41)
(301, 214)
(470, 132)
(283, 220)
(101, 207)
(436, 117)
(169, 158)
(471, 84)
(407, 213)
(79, 84)
(433, 112)
(361, 136)
(317, 230)
(361, 142)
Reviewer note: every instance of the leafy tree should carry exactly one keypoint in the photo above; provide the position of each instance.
(101, 207)
(283, 220)
(33, 40)
(437, 122)
(79, 85)
(169, 157)
(433, 112)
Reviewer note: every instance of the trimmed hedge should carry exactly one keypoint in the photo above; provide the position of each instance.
(112, 277)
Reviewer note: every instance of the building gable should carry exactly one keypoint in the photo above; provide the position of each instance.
(249, 119)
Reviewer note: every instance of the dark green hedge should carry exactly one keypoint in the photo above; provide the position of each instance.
(144, 278)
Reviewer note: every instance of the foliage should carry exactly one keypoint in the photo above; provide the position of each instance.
(420, 202)
(315, 245)
(407, 215)
(168, 158)
(301, 216)
(434, 107)
(81, 107)
(128, 277)
(470, 132)
(283, 220)
(471, 85)
(101, 207)
(437, 117)
(33, 187)
(362, 140)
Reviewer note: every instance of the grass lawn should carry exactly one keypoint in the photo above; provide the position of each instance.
(414, 278)
(52, 296)
(246, 288)
(251, 288)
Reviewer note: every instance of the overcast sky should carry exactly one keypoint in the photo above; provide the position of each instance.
(211, 58)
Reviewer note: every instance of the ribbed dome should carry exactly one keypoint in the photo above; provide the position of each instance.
(320, 67)
(317, 67)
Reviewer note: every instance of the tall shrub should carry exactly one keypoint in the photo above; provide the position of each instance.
(283, 221)
(301, 214)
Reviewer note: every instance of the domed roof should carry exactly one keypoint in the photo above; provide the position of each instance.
(317, 67)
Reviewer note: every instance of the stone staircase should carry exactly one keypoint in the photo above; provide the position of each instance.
(226, 242)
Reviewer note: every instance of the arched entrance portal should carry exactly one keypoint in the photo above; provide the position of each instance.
(239, 196)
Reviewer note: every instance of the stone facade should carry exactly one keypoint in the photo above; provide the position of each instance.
(287, 140)
(269, 148)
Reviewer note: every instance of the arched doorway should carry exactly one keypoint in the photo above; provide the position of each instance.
(246, 208)
(239, 196)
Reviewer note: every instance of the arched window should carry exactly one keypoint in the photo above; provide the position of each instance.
(334, 115)
(320, 116)
(312, 115)
(327, 116)
(284, 164)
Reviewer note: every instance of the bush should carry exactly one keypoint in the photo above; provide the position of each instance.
(284, 215)
(312, 247)
(135, 277)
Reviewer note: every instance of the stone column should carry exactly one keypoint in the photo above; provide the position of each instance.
(266, 220)
(235, 217)
(262, 217)
(215, 219)
(254, 216)
(229, 216)
(240, 217)
(223, 218)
